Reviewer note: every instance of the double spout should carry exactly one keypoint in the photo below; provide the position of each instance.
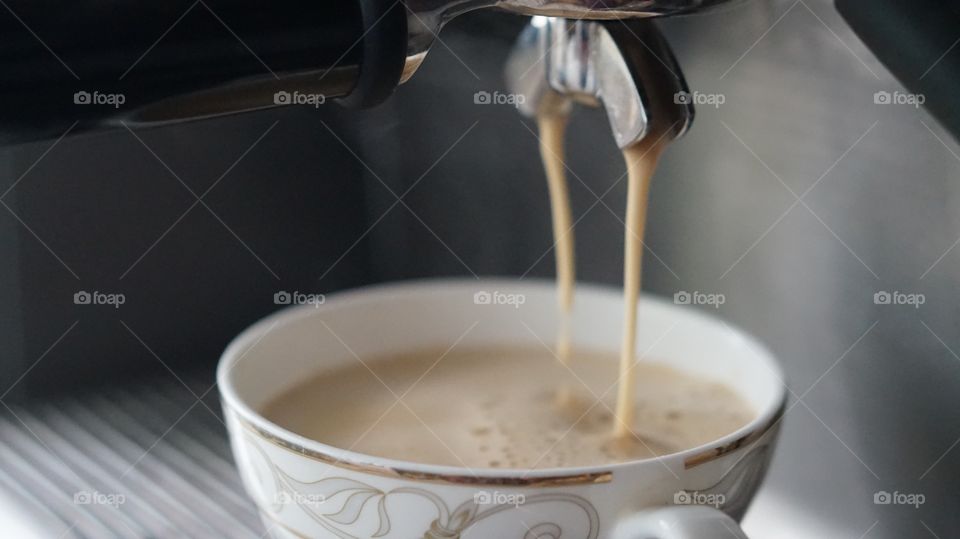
(624, 66)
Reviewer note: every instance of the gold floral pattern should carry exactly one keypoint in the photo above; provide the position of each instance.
(336, 504)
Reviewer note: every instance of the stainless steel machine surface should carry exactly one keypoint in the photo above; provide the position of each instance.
(813, 203)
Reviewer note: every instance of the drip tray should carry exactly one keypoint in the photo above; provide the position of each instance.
(142, 462)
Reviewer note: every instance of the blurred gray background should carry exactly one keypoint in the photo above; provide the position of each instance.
(799, 198)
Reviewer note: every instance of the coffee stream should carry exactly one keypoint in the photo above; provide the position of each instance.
(641, 160)
(552, 130)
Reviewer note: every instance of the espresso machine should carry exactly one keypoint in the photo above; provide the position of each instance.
(146, 221)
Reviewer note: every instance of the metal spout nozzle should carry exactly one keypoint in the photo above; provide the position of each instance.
(625, 66)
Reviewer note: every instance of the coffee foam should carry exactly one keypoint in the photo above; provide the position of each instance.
(499, 408)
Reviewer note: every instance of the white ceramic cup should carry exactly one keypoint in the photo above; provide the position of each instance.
(305, 488)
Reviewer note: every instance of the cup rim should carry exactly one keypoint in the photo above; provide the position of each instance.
(764, 421)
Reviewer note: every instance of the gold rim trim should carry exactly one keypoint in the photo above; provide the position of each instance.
(551, 481)
(402, 473)
(727, 448)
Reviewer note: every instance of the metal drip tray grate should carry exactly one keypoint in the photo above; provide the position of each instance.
(143, 462)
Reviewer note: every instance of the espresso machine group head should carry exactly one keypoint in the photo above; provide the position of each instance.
(94, 65)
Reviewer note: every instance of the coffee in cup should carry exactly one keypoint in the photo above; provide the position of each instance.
(497, 407)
